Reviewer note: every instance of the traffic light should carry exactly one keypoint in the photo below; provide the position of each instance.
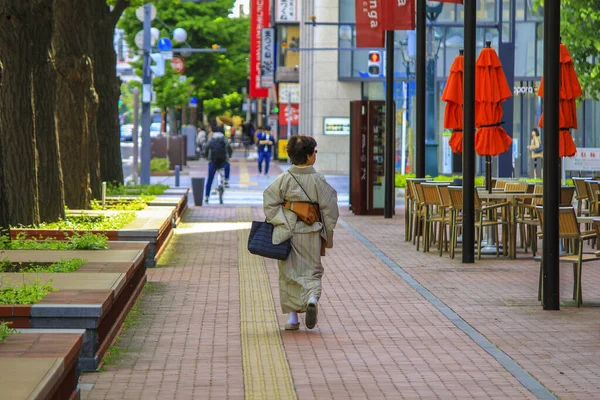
(215, 46)
(374, 65)
(159, 68)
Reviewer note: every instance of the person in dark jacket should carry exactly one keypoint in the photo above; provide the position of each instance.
(218, 152)
(265, 142)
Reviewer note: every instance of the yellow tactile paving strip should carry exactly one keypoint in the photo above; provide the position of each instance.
(244, 174)
(267, 373)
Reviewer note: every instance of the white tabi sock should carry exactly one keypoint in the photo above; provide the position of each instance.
(292, 318)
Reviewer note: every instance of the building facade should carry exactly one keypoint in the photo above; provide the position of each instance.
(316, 50)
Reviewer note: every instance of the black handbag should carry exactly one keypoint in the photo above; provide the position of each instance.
(260, 242)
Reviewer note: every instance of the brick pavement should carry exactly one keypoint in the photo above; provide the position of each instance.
(376, 337)
(498, 297)
(187, 344)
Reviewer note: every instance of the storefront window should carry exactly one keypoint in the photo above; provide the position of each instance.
(525, 47)
(288, 38)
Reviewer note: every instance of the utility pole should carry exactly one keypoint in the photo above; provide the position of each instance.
(135, 137)
(146, 99)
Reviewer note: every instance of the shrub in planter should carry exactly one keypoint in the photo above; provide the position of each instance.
(90, 222)
(87, 241)
(151, 190)
(6, 330)
(69, 265)
(25, 293)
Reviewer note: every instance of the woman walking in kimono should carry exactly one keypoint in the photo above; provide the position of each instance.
(300, 275)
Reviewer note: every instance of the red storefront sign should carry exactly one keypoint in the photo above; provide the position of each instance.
(291, 114)
(259, 18)
(374, 17)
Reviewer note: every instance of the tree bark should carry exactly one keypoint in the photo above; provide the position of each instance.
(50, 179)
(108, 87)
(74, 100)
(4, 223)
(19, 155)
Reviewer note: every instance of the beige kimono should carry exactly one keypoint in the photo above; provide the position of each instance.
(300, 275)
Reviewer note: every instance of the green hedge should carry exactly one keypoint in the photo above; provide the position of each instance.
(86, 222)
(130, 190)
(401, 179)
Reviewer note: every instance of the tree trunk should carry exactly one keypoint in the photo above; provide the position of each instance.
(73, 100)
(91, 107)
(108, 87)
(50, 179)
(3, 206)
(19, 155)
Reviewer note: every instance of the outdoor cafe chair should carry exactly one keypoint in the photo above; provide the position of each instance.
(568, 230)
(593, 186)
(516, 187)
(528, 220)
(418, 213)
(410, 207)
(581, 196)
(447, 205)
(456, 207)
(492, 215)
(435, 215)
(500, 184)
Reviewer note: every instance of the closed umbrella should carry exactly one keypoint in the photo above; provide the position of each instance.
(491, 89)
(453, 96)
(570, 90)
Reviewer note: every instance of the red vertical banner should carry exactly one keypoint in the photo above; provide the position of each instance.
(259, 18)
(369, 26)
(399, 15)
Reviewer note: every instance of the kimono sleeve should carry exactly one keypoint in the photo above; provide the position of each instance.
(329, 209)
(274, 212)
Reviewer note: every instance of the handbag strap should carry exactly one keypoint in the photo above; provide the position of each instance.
(309, 199)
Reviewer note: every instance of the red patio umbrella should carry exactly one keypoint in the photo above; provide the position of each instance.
(453, 96)
(491, 89)
(570, 90)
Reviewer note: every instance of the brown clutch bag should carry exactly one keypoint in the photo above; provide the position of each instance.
(308, 213)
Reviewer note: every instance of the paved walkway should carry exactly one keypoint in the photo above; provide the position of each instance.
(393, 323)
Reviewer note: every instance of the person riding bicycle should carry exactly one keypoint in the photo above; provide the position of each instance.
(218, 151)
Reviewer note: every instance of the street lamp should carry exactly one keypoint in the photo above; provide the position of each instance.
(434, 8)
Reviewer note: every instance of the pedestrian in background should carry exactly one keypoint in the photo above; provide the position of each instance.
(537, 152)
(302, 206)
(218, 152)
(265, 142)
(247, 136)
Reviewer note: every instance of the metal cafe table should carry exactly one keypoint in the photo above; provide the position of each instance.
(512, 198)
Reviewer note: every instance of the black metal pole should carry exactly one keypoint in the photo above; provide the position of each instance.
(390, 128)
(551, 175)
(421, 79)
(468, 251)
(488, 173)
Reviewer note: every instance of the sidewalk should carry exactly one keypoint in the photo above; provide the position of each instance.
(393, 323)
